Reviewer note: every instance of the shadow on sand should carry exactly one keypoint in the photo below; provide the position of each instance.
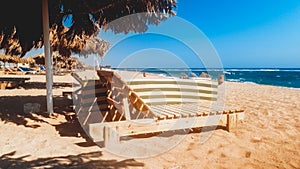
(42, 85)
(12, 111)
(84, 160)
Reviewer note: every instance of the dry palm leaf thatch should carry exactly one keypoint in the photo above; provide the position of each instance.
(39, 59)
(16, 59)
(3, 58)
(58, 60)
(30, 60)
(94, 45)
(21, 21)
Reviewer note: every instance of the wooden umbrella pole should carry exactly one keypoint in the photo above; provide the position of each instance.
(48, 58)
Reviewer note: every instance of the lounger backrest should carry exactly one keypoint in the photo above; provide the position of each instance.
(174, 91)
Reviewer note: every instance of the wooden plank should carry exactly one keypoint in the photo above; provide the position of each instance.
(231, 121)
(173, 109)
(3, 85)
(126, 109)
(190, 109)
(177, 94)
(159, 115)
(163, 109)
(118, 105)
(190, 89)
(172, 87)
(96, 132)
(126, 128)
(173, 99)
(167, 114)
(124, 91)
(111, 136)
(164, 101)
(173, 81)
(185, 112)
(133, 127)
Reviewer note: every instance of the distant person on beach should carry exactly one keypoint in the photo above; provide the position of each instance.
(221, 79)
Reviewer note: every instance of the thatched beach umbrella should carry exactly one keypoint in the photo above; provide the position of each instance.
(23, 28)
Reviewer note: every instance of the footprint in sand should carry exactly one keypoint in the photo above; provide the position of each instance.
(248, 154)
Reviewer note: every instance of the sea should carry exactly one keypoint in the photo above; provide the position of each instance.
(283, 77)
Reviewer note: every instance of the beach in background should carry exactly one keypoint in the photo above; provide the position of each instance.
(267, 138)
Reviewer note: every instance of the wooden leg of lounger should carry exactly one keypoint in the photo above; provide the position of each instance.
(111, 137)
(3, 85)
(231, 121)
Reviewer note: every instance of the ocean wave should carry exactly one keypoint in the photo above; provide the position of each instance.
(233, 80)
(263, 70)
(250, 82)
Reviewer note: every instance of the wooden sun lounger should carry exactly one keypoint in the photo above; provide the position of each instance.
(113, 107)
(11, 82)
(13, 71)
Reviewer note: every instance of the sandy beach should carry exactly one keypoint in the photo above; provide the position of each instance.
(269, 136)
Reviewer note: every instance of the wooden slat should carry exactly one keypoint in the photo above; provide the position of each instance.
(174, 87)
(159, 115)
(163, 101)
(126, 109)
(179, 108)
(167, 114)
(179, 98)
(173, 81)
(163, 109)
(179, 94)
(190, 109)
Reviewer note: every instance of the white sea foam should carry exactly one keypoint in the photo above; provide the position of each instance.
(264, 70)
(233, 80)
(250, 82)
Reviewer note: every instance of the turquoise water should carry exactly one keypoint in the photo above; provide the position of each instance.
(286, 77)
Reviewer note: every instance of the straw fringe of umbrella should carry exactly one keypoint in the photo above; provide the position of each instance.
(58, 60)
(16, 59)
(22, 30)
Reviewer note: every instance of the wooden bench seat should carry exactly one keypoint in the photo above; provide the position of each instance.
(146, 105)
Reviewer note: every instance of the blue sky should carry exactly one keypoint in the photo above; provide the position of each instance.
(254, 33)
(244, 34)
(257, 33)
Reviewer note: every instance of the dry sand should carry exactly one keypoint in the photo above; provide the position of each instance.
(269, 136)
